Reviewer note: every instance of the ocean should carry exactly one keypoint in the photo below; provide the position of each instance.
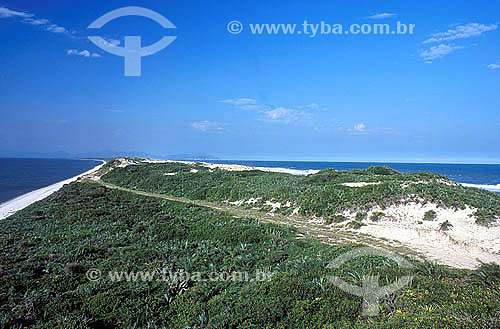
(20, 176)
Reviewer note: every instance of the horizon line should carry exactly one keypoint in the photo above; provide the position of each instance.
(260, 160)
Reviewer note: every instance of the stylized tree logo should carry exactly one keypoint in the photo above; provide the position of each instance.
(370, 290)
(133, 51)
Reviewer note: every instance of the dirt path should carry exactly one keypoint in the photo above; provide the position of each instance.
(326, 234)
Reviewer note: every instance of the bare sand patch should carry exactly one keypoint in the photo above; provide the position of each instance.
(361, 184)
(462, 245)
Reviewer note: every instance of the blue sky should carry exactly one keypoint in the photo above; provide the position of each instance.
(426, 97)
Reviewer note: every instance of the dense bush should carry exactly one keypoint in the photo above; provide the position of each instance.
(47, 249)
(320, 195)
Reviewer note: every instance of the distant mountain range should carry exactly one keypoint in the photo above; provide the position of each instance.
(105, 155)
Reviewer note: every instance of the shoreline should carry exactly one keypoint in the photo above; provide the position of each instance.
(12, 206)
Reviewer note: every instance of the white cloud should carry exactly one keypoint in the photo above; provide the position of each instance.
(84, 53)
(494, 66)
(360, 127)
(312, 106)
(38, 21)
(209, 126)
(254, 107)
(382, 16)
(56, 29)
(115, 109)
(31, 19)
(436, 52)
(279, 114)
(462, 31)
(239, 101)
(6, 12)
(288, 116)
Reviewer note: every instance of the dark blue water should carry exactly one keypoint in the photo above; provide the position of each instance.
(482, 175)
(20, 176)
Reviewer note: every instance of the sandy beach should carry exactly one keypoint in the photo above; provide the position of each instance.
(12, 206)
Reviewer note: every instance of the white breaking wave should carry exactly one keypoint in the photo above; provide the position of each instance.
(288, 171)
(486, 187)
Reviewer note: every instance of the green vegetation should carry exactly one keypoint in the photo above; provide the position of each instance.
(376, 216)
(361, 215)
(355, 224)
(318, 195)
(430, 215)
(335, 219)
(487, 274)
(445, 226)
(47, 249)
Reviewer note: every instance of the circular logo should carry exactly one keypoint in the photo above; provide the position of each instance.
(93, 274)
(234, 27)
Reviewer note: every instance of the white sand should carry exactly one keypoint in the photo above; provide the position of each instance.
(235, 167)
(228, 167)
(462, 245)
(10, 207)
(288, 171)
(361, 184)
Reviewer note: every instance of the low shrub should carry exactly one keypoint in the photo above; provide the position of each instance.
(376, 216)
(355, 224)
(430, 215)
(445, 226)
(361, 215)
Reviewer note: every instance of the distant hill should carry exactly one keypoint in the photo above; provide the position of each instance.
(104, 155)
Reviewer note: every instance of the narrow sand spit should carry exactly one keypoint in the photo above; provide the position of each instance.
(10, 207)
(235, 167)
(228, 167)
